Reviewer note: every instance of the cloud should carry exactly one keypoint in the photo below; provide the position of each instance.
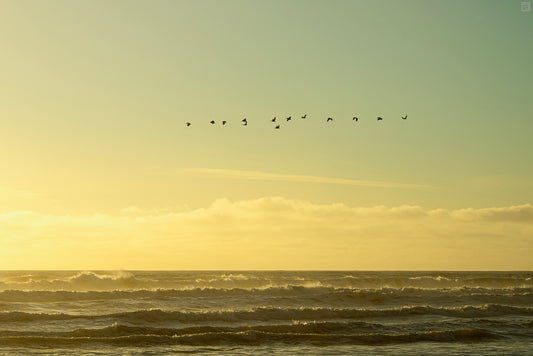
(519, 213)
(257, 175)
(272, 233)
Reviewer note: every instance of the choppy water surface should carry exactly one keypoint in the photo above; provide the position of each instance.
(247, 312)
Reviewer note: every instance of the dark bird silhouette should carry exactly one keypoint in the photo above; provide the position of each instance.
(277, 127)
(274, 119)
(212, 122)
(329, 119)
(188, 124)
(223, 122)
(380, 118)
(355, 118)
(245, 122)
(404, 117)
(289, 118)
(303, 117)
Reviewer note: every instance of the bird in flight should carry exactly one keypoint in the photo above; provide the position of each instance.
(245, 121)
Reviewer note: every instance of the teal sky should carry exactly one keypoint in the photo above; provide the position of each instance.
(94, 96)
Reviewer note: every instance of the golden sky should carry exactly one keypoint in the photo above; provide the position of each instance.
(99, 170)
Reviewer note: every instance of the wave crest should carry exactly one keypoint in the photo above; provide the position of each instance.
(271, 313)
(105, 281)
(81, 281)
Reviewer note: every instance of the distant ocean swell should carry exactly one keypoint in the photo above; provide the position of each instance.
(91, 281)
(267, 314)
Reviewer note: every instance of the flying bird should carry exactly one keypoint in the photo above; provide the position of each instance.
(380, 118)
(404, 117)
(245, 122)
(355, 118)
(223, 123)
(188, 124)
(277, 127)
(303, 117)
(329, 119)
(274, 119)
(212, 122)
(289, 118)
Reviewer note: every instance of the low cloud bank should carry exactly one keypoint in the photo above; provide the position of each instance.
(272, 233)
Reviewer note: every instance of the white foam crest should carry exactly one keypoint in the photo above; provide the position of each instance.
(239, 280)
(82, 281)
(426, 281)
(120, 280)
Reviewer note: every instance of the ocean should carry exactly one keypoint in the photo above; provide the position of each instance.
(266, 313)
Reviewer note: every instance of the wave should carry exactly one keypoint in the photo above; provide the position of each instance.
(431, 281)
(273, 314)
(307, 295)
(299, 327)
(314, 334)
(122, 280)
(81, 281)
(109, 281)
(125, 330)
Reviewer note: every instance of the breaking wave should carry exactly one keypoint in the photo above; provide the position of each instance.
(120, 280)
(82, 281)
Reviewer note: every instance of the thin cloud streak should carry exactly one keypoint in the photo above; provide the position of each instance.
(257, 175)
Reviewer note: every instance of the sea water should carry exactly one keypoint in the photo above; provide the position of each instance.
(266, 313)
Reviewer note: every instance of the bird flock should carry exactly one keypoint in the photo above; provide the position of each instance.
(287, 119)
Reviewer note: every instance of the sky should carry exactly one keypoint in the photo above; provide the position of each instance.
(99, 170)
